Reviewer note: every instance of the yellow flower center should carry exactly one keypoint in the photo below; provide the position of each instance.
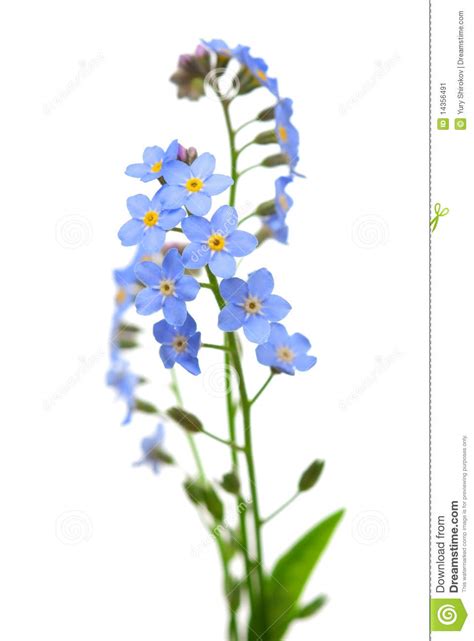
(283, 202)
(180, 343)
(216, 242)
(194, 184)
(120, 296)
(262, 75)
(252, 305)
(151, 218)
(283, 134)
(285, 354)
(156, 167)
(167, 287)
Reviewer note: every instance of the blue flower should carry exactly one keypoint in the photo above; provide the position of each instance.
(257, 67)
(276, 222)
(251, 305)
(124, 382)
(150, 221)
(155, 159)
(285, 353)
(151, 448)
(220, 47)
(216, 242)
(179, 344)
(193, 185)
(166, 288)
(286, 132)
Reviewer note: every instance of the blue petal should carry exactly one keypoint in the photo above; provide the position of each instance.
(299, 343)
(196, 255)
(217, 183)
(257, 329)
(278, 335)
(198, 203)
(303, 362)
(170, 218)
(174, 311)
(231, 317)
(172, 152)
(189, 327)
(137, 170)
(131, 233)
(225, 220)
(177, 172)
(194, 343)
(138, 205)
(234, 290)
(153, 154)
(241, 243)
(168, 356)
(187, 288)
(203, 166)
(275, 308)
(149, 273)
(261, 283)
(163, 332)
(153, 239)
(190, 363)
(222, 264)
(173, 267)
(173, 196)
(148, 301)
(266, 354)
(196, 229)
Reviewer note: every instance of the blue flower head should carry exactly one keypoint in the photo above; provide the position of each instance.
(167, 288)
(276, 222)
(257, 67)
(216, 242)
(251, 305)
(220, 47)
(155, 159)
(150, 221)
(124, 381)
(285, 353)
(286, 132)
(193, 185)
(179, 344)
(151, 449)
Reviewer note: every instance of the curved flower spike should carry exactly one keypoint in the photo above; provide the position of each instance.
(167, 288)
(257, 67)
(193, 185)
(251, 305)
(155, 159)
(216, 242)
(179, 344)
(285, 353)
(150, 221)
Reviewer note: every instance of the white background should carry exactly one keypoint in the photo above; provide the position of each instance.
(85, 90)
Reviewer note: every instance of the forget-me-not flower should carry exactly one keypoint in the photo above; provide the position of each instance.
(155, 159)
(179, 344)
(284, 352)
(286, 132)
(152, 450)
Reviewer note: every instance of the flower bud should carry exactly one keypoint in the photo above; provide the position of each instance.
(266, 114)
(310, 476)
(266, 209)
(266, 138)
(186, 420)
(230, 483)
(213, 503)
(145, 406)
(275, 160)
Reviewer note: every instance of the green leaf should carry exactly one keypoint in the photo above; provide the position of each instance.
(312, 607)
(290, 575)
(186, 420)
(145, 406)
(311, 475)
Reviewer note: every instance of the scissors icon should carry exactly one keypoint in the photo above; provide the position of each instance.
(438, 213)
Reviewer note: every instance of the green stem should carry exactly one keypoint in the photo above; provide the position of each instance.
(254, 213)
(223, 440)
(205, 285)
(249, 122)
(233, 152)
(280, 509)
(244, 171)
(212, 346)
(248, 144)
(262, 389)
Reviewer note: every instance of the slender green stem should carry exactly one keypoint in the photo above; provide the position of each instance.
(247, 169)
(254, 213)
(177, 229)
(262, 389)
(205, 285)
(223, 440)
(233, 152)
(248, 144)
(280, 509)
(249, 122)
(212, 346)
(233, 628)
